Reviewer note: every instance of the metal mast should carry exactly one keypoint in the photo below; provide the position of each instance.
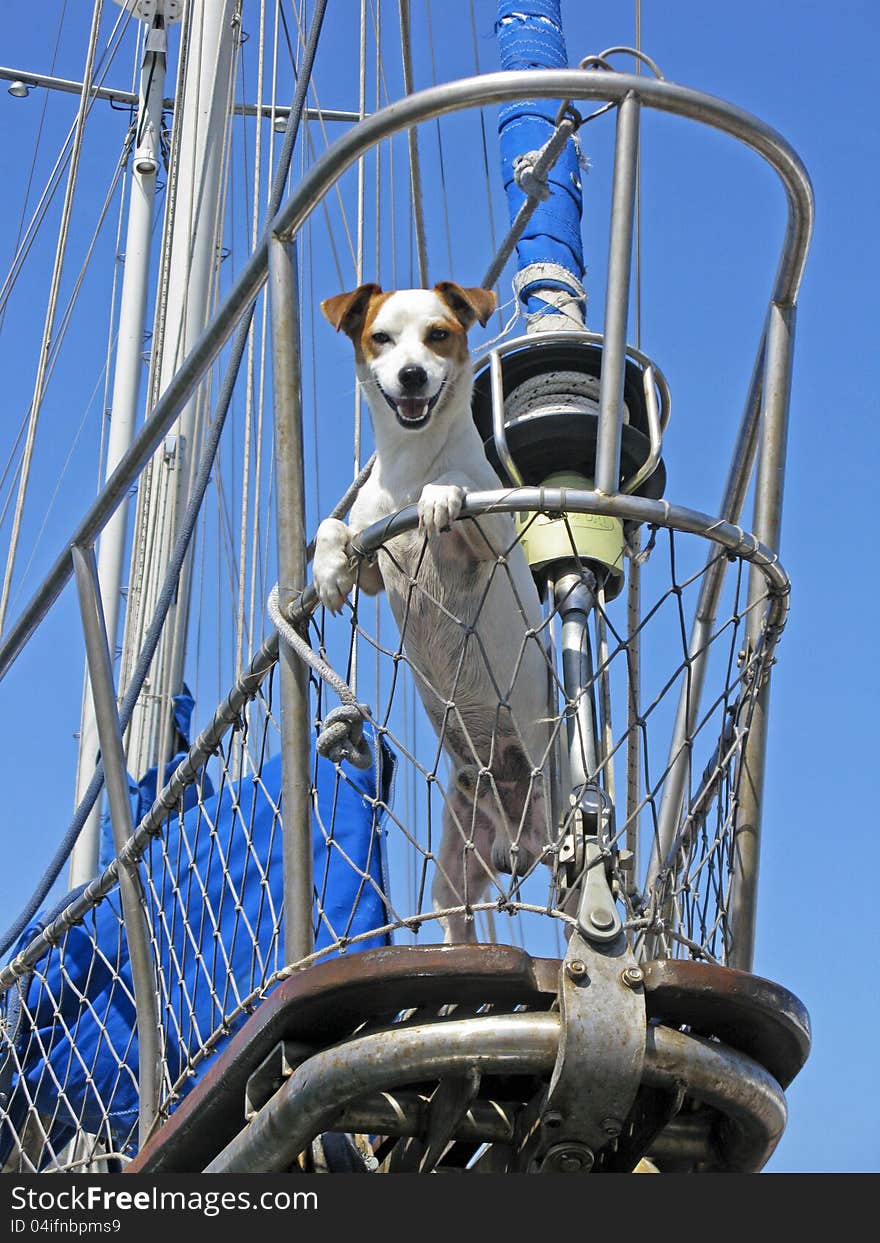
(126, 382)
(193, 229)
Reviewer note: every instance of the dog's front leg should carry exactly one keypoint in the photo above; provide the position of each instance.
(334, 568)
(440, 504)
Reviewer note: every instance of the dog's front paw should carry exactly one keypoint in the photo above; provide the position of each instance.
(333, 570)
(439, 506)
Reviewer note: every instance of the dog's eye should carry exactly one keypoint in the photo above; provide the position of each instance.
(380, 338)
(438, 334)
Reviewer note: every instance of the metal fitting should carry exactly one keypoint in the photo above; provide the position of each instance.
(576, 969)
(552, 1118)
(632, 977)
(145, 161)
(602, 919)
(568, 1159)
(612, 1126)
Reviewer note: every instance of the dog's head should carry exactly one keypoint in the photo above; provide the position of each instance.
(411, 345)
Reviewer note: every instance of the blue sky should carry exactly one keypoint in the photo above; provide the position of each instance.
(713, 220)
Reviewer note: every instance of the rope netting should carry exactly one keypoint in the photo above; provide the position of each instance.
(418, 845)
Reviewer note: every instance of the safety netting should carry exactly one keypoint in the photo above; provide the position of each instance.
(413, 847)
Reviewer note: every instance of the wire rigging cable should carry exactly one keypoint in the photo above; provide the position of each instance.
(60, 252)
(249, 375)
(25, 244)
(161, 501)
(206, 463)
(413, 140)
(59, 340)
(42, 121)
(112, 329)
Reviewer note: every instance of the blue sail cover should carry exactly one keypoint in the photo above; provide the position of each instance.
(530, 36)
(142, 794)
(80, 1028)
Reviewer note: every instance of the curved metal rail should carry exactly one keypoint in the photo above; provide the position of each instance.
(737, 542)
(331, 1004)
(403, 114)
(314, 1097)
(744, 1093)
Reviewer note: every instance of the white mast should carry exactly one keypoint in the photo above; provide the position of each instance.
(126, 381)
(193, 231)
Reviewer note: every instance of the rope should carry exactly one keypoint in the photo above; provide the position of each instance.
(567, 306)
(514, 302)
(342, 732)
(534, 172)
(341, 737)
(39, 213)
(572, 390)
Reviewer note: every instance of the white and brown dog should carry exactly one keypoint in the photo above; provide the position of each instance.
(470, 627)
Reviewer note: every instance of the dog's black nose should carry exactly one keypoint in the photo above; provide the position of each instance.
(412, 378)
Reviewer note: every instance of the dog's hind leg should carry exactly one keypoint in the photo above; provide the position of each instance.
(514, 801)
(464, 862)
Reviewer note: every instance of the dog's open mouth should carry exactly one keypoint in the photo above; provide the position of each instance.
(412, 411)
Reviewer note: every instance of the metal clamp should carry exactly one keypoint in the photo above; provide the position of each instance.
(584, 860)
(602, 1007)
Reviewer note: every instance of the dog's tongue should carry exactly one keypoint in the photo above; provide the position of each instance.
(412, 408)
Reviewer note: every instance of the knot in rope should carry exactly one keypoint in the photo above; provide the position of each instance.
(342, 736)
(531, 178)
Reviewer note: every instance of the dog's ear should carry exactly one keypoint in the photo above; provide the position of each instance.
(346, 311)
(467, 305)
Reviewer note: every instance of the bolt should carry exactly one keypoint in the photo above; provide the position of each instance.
(632, 977)
(552, 1118)
(611, 1126)
(569, 1159)
(602, 918)
(577, 969)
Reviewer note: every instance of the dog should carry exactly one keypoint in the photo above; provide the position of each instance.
(471, 627)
